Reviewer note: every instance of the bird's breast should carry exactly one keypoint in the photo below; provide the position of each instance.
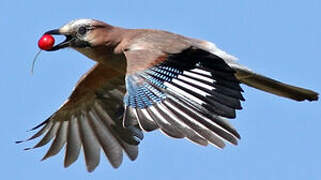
(107, 56)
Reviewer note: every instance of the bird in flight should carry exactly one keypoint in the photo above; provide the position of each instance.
(145, 80)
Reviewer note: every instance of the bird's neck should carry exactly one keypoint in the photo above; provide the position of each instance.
(109, 51)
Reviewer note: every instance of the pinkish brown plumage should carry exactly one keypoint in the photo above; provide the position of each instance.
(146, 80)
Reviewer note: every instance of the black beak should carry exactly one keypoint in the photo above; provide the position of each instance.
(64, 44)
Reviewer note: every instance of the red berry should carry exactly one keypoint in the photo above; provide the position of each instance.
(46, 42)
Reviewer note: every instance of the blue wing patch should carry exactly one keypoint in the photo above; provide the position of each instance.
(145, 88)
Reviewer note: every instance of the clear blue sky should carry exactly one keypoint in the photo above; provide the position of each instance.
(280, 137)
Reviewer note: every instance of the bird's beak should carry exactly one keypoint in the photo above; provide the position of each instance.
(64, 44)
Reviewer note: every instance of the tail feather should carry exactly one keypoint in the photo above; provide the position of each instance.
(275, 87)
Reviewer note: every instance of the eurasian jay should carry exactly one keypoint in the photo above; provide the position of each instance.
(144, 80)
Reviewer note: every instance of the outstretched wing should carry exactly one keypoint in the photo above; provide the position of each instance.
(189, 93)
(92, 119)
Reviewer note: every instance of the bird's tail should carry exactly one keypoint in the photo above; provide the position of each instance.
(275, 87)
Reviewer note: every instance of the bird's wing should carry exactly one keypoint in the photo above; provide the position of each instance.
(187, 92)
(92, 119)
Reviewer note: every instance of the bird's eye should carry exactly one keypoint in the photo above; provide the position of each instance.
(82, 30)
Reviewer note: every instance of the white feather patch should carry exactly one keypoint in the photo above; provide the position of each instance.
(183, 93)
(197, 76)
(197, 83)
(200, 71)
(220, 53)
(178, 82)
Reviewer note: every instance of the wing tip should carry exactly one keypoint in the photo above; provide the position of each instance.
(91, 168)
(19, 141)
(40, 125)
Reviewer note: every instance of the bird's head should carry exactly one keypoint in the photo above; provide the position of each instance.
(94, 39)
(80, 33)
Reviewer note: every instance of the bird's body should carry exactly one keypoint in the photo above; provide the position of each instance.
(146, 80)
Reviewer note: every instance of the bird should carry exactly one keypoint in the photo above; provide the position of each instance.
(144, 80)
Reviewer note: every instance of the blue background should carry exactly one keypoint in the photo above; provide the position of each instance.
(280, 137)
